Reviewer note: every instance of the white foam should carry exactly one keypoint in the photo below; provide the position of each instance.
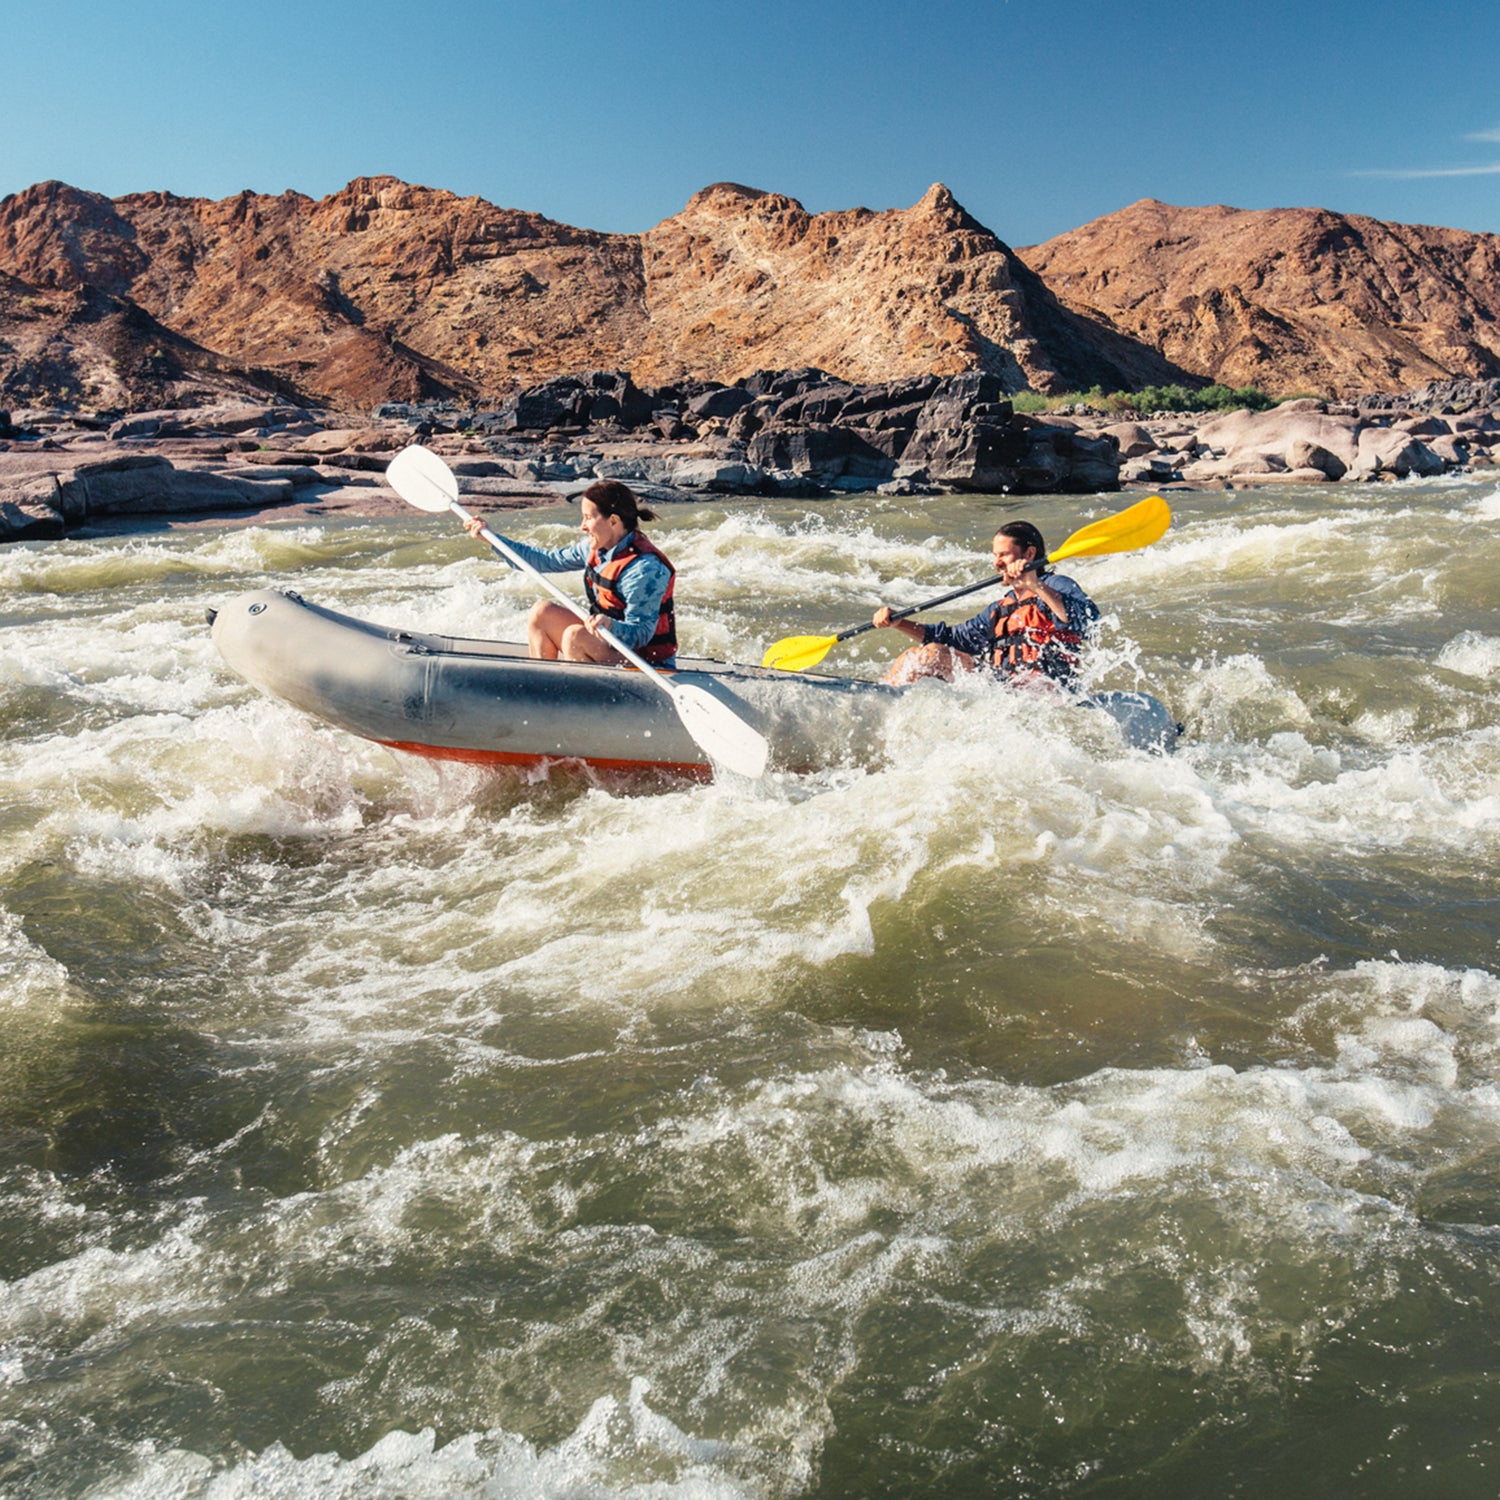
(618, 1437)
(1239, 1169)
(29, 977)
(1471, 654)
(1486, 507)
(1424, 795)
(1240, 698)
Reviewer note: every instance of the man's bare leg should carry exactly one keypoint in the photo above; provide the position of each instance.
(927, 661)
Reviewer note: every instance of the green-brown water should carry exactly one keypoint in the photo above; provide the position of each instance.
(1021, 1116)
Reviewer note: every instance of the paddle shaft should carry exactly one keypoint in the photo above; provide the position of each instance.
(916, 609)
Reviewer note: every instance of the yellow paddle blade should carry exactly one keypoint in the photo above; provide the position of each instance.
(1138, 526)
(796, 653)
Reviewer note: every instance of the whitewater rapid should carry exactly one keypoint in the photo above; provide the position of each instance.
(1019, 1113)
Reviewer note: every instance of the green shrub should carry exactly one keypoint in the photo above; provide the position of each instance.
(1032, 401)
(1149, 399)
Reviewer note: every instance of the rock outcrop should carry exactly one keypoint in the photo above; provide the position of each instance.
(788, 433)
(1305, 442)
(386, 291)
(1296, 300)
(744, 280)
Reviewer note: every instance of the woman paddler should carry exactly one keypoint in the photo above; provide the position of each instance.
(628, 580)
(1033, 630)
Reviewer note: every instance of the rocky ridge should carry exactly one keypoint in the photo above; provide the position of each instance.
(387, 291)
(1297, 300)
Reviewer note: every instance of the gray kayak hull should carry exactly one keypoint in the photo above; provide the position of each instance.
(489, 703)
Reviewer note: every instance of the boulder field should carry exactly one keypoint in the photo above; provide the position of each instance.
(798, 433)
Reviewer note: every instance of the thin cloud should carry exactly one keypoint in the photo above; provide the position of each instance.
(1417, 174)
(1420, 172)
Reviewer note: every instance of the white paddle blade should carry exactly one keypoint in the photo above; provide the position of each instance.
(422, 479)
(719, 732)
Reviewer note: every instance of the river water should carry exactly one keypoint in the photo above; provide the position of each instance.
(1019, 1115)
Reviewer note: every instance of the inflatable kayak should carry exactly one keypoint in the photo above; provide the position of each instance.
(489, 703)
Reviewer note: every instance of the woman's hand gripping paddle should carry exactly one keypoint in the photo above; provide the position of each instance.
(1139, 526)
(422, 479)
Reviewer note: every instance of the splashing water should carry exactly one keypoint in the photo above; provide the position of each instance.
(1020, 1115)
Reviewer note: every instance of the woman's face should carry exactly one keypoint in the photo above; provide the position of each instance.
(602, 530)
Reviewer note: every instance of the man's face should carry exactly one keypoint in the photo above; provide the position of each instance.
(1011, 558)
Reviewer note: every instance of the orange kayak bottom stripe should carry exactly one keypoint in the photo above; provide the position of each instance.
(510, 758)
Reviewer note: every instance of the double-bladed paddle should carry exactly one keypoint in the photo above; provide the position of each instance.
(422, 479)
(1139, 526)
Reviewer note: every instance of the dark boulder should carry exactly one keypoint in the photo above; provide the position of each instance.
(615, 397)
(786, 383)
(724, 401)
(1059, 459)
(969, 456)
(963, 438)
(574, 401)
(871, 401)
(822, 453)
(820, 404)
(31, 510)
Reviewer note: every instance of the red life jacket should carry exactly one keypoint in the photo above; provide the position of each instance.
(1026, 637)
(599, 583)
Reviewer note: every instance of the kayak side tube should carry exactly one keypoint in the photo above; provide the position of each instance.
(490, 703)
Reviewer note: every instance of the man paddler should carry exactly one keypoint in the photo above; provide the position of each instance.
(1034, 629)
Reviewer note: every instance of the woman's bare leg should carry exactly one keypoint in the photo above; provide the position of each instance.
(553, 632)
(545, 627)
(579, 643)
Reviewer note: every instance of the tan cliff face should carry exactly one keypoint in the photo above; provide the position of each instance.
(381, 291)
(386, 290)
(1288, 299)
(743, 280)
(389, 291)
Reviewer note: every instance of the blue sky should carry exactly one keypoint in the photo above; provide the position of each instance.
(1039, 116)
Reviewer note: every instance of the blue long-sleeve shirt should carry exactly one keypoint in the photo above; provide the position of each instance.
(642, 585)
(974, 636)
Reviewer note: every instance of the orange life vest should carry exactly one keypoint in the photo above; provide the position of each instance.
(599, 583)
(1025, 636)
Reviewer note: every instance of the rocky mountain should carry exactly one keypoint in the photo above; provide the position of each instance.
(743, 280)
(1291, 300)
(388, 291)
